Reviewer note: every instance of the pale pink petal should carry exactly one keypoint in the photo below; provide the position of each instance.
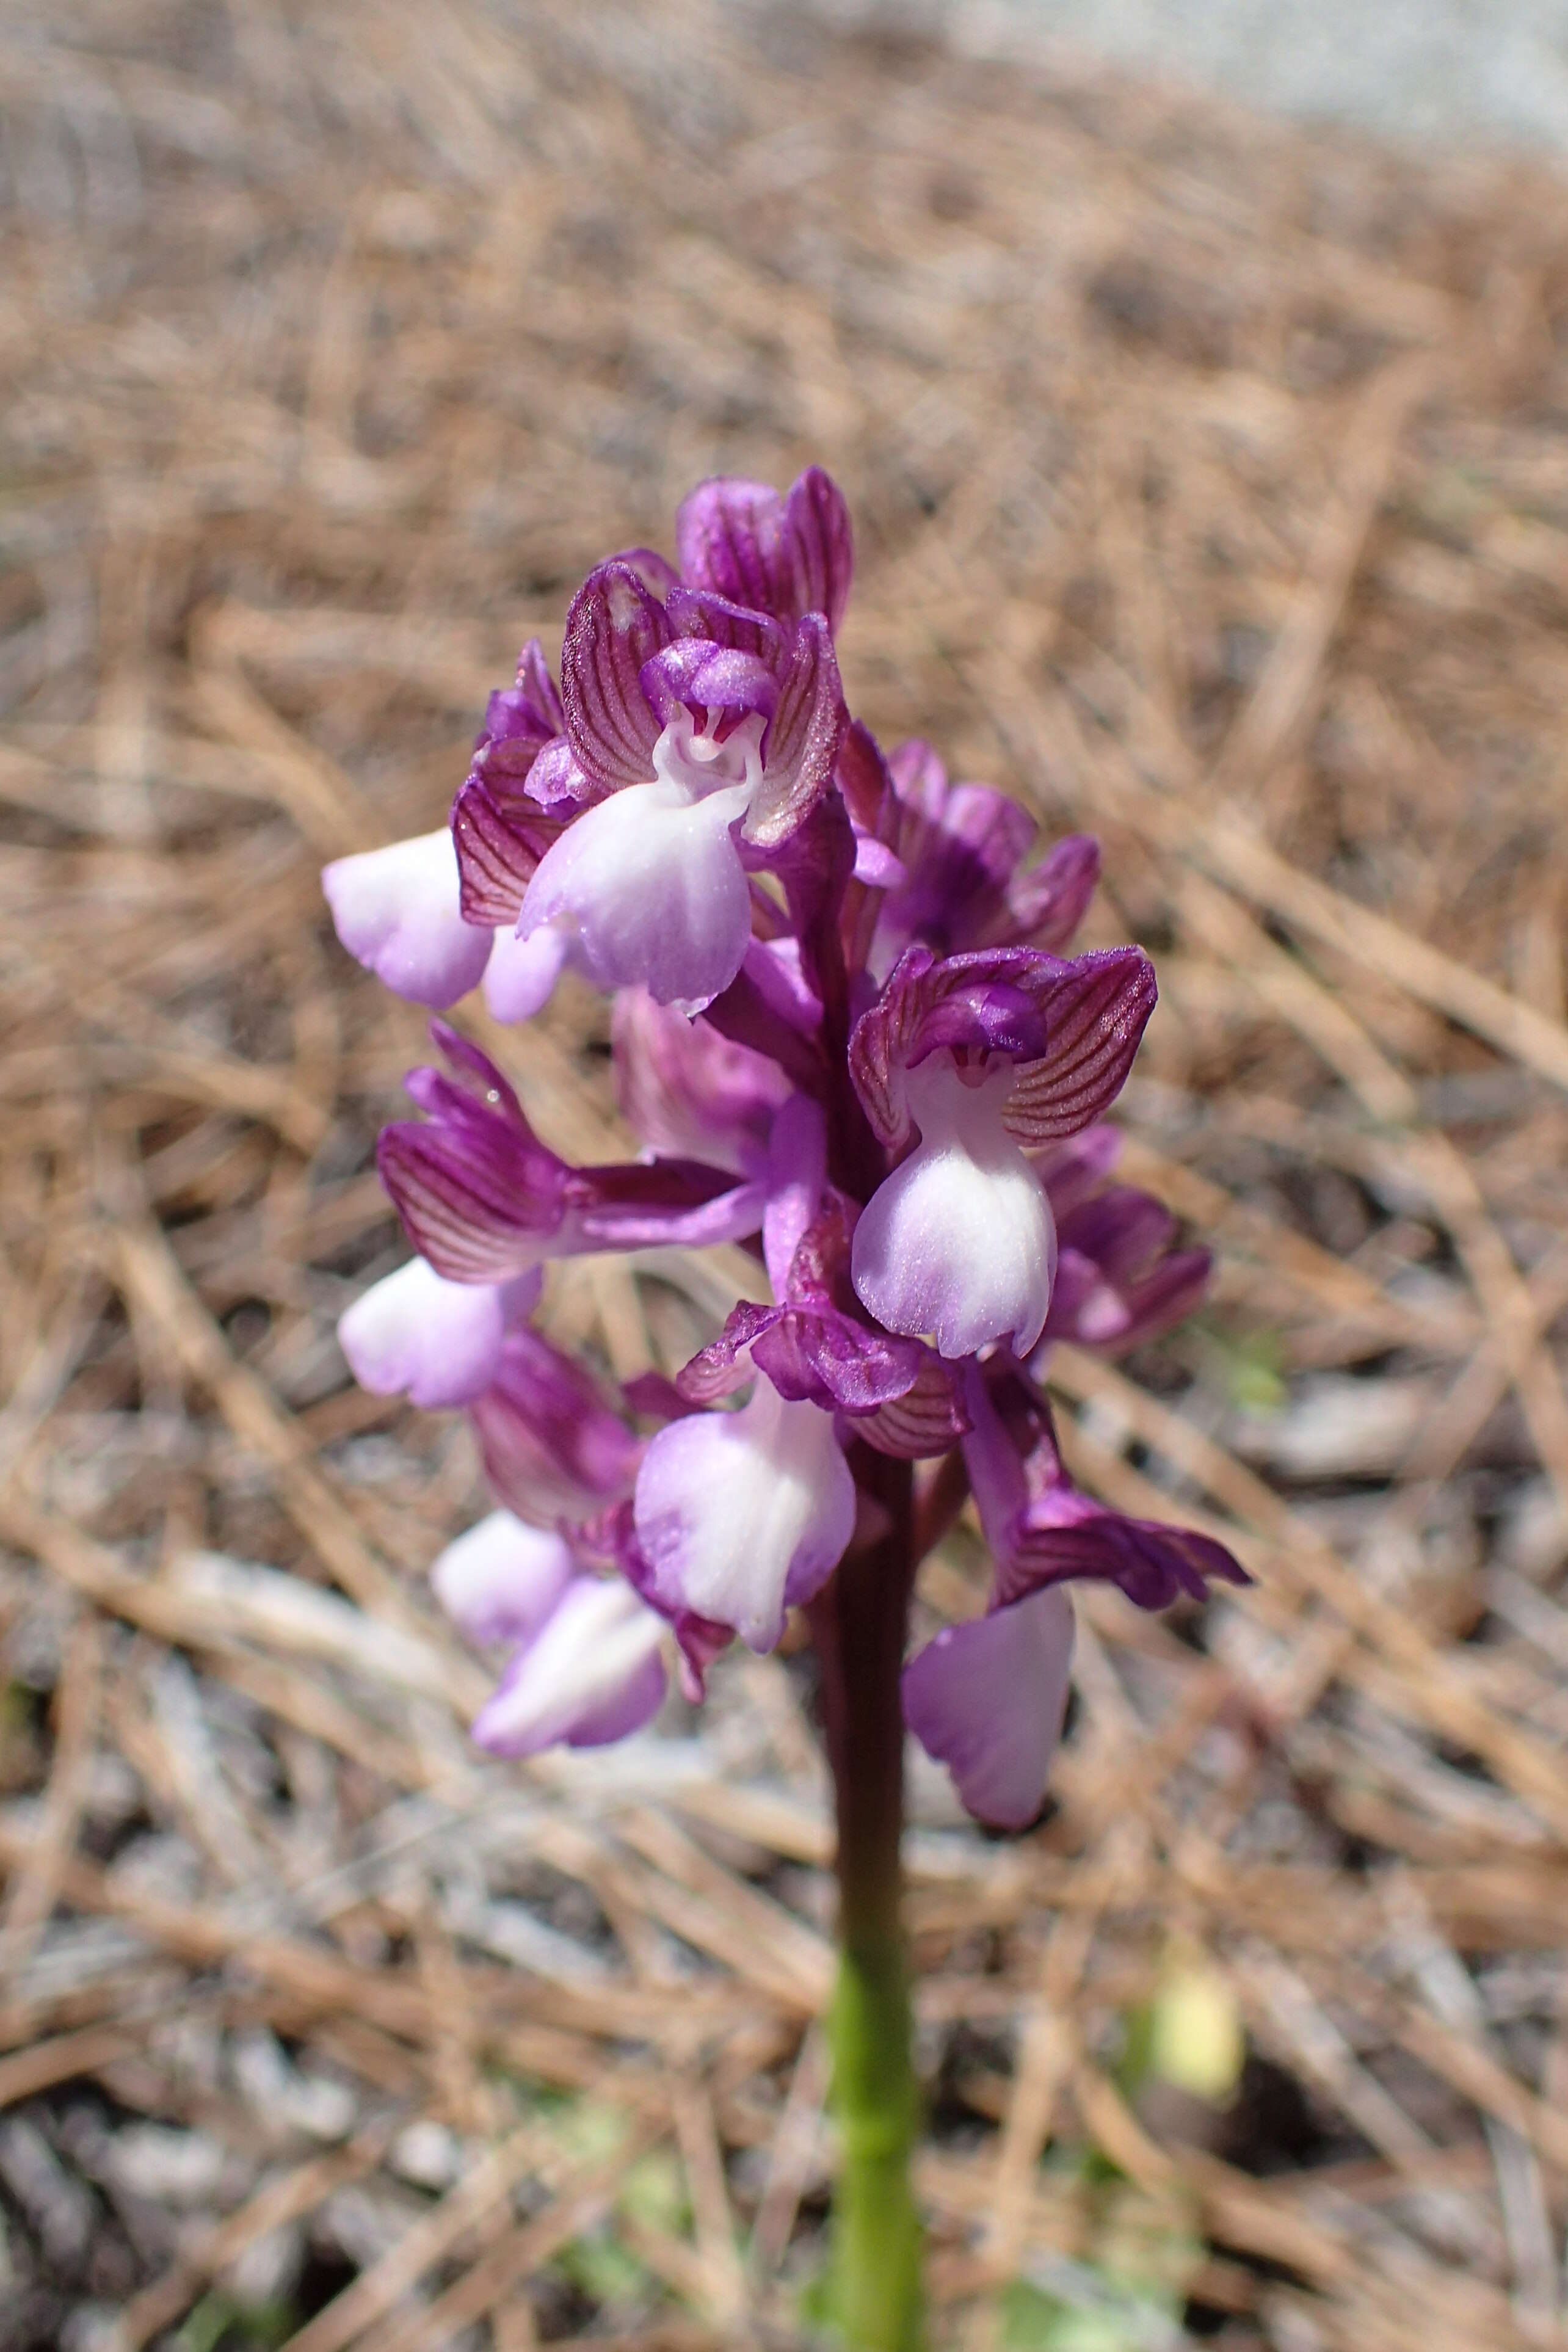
(396, 911)
(958, 1242)
(592, 1673)
(439, 1342)
(987, 1700)
(521, 976)
(500, 1581)
(651, 885)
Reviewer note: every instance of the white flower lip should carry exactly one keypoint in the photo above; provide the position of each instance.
(648, 884)
(742, 1514)
(959, 1241)
(397, 911)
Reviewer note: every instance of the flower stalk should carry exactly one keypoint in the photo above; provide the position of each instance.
(846, 1033)
(860, 1625)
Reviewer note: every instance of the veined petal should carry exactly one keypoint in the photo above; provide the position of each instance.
(729, 535)
(592, 1673)
(988, 1699)
(740, 1514)
(802, 738)
(615, 625)
(500, 1581)
(651, 884)
(959, 1241)
(1096, 1013)
(439, 1341)
(820, 544)
(397, 911)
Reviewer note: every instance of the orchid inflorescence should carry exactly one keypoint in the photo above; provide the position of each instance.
(848, 1036)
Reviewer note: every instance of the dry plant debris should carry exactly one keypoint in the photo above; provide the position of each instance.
(1214, 489)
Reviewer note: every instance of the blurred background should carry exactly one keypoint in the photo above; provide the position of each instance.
(1210, 470)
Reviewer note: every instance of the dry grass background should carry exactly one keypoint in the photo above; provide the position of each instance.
(1212, 484)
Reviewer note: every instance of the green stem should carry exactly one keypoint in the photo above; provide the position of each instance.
(860, 1625)
(875, 2273)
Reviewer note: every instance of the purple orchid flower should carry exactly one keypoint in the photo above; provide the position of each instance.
(846, 1035)
(483, 1200)
(408, 912)
(987, 1698)
(586, 1664)
(980, 1054)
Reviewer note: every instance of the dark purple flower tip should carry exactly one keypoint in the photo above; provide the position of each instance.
(613, 627)
(498, 850)
(478, 1194)
(787, 557)
(1071, 1029)
(700, 613)
(1067, 1534)
(552, 1449)
(803, 739)
(1096, 1009)
(700, 676)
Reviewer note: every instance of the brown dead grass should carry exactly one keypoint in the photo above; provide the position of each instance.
(1212, 485)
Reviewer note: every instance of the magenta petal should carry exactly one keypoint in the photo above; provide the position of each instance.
(498, 851)
(1047, 904)
(592, 1673)
(820, 545)
(1096, 1013)
(551, 1447)
(925, 1421)
(729, 536)
(500, 1581)
(478, 1196)
(802, 738)
(398, 911)
(694, 673)
(700, 613)
(797, 1172)
(437, 1342)
(613, 627)
(988, 1699)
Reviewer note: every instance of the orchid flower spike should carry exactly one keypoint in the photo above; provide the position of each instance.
(848, 1034)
